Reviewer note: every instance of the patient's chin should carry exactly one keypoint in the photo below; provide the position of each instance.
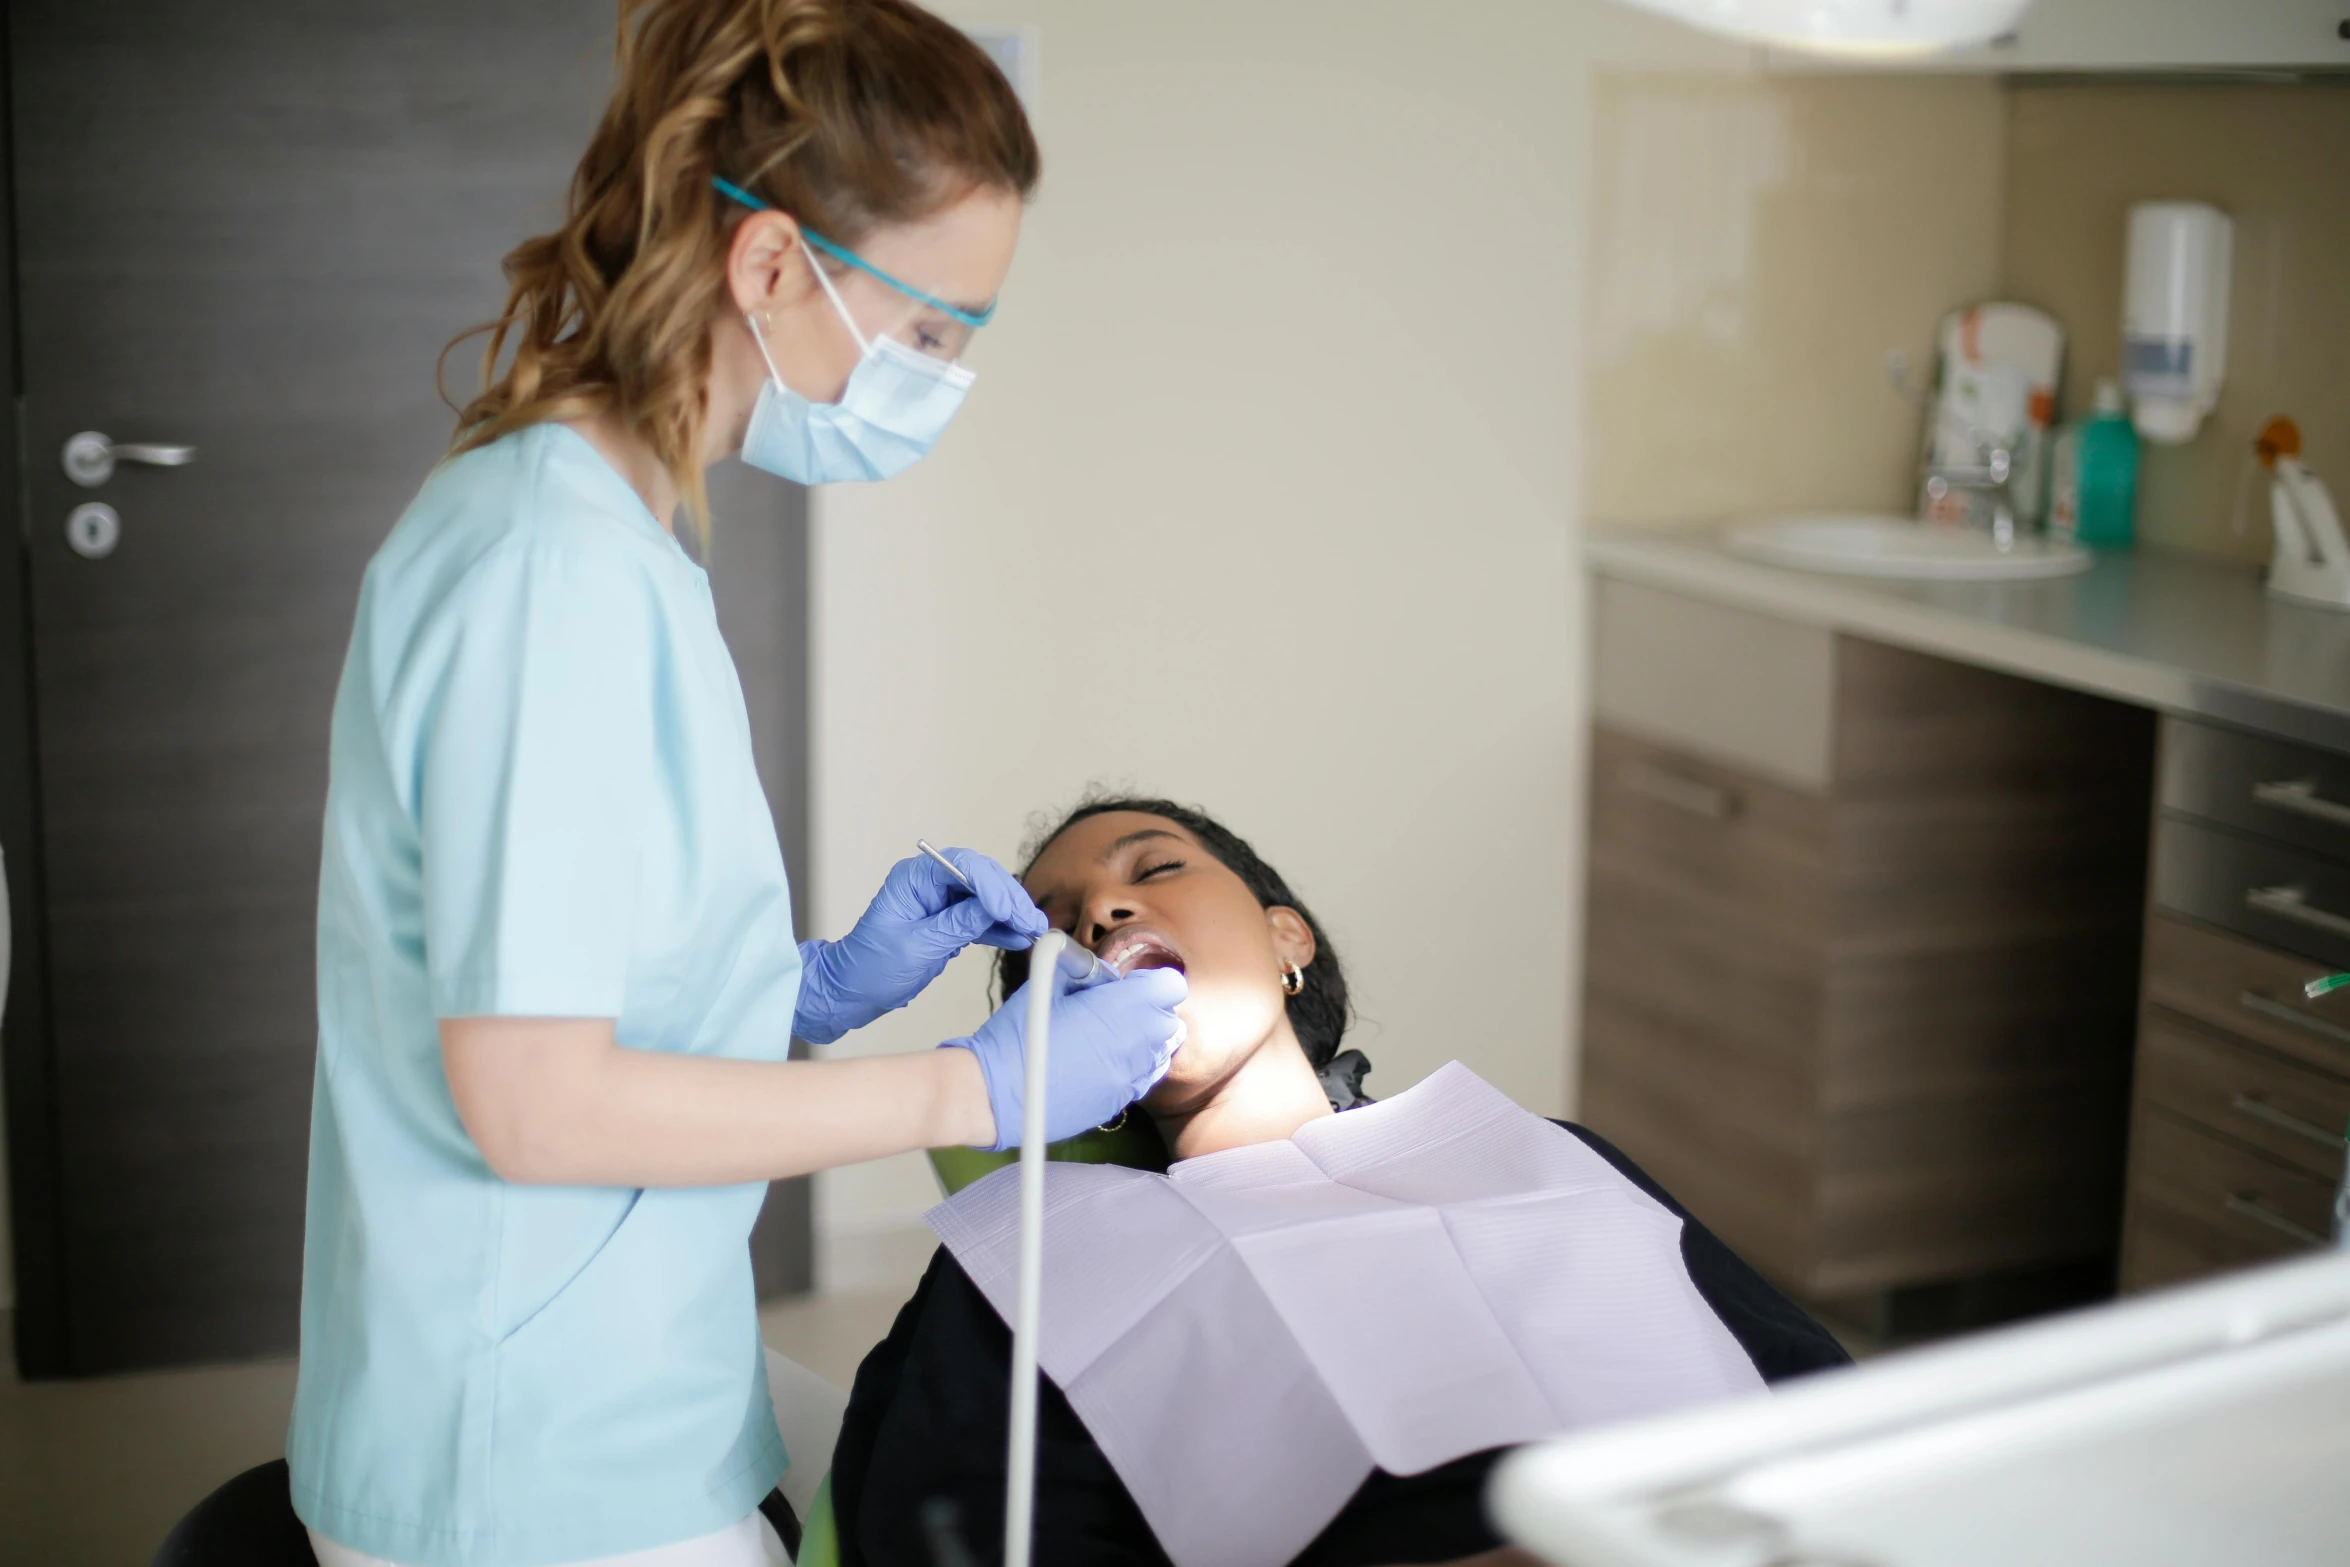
(1222, 1030)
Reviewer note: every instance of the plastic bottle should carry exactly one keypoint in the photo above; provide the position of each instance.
(2095, 491)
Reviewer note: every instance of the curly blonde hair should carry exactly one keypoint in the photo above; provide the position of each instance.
(846, 114)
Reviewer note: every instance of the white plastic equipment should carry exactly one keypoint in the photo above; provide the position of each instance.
(1020, 1454)
(2311, 562)
(2175, 316)
(2195, 1426)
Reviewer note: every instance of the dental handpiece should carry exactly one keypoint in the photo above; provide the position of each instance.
(1080, 967)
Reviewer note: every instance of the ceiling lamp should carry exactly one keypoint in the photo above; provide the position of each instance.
(1865, 29)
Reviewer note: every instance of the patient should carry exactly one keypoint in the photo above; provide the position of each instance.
(1148, 883)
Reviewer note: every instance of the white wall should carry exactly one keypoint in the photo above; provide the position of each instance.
(1757, 246)
(1264, 500)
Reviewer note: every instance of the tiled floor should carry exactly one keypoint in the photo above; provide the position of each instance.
(94, 1474)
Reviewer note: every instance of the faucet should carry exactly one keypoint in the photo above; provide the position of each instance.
(1991, 477)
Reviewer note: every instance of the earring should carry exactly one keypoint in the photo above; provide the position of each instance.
(1293, 979)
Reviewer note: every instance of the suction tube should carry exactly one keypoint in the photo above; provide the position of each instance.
(1020, 1456)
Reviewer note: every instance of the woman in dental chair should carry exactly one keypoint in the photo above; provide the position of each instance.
(1313, 1336)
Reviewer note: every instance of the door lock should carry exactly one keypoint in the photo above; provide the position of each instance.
(93, 529)
(90, 457)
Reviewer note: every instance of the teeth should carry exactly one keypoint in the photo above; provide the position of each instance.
(1122, 958)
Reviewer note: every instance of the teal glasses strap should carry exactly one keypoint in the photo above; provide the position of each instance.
(845, 256)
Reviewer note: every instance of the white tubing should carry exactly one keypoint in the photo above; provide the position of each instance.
(1044, 982)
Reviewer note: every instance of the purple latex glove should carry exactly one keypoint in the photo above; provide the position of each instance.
(916, 923)
(1112, 1041)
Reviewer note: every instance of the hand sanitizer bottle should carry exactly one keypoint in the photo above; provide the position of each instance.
(2095, 490)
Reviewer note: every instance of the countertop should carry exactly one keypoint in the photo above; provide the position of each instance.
(2179, 633)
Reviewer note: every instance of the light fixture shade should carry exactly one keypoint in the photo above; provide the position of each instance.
(1864, 28)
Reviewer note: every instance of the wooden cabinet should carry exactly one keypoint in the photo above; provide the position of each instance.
(1863, 934)
(2243, 1083)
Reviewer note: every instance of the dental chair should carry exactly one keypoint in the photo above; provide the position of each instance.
(250, 1522)
(1132, 1142)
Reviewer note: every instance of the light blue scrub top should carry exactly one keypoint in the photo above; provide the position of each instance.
(541, 803)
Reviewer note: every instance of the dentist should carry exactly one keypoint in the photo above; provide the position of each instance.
(557, 982)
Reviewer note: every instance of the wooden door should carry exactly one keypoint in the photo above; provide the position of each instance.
(249, 229)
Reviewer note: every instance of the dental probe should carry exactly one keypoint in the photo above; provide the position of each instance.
(952, 868)
(1093, 969)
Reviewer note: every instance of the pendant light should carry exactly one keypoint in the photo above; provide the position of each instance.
(1861, 29)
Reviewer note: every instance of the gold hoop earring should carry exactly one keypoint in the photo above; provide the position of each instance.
(1293, 979)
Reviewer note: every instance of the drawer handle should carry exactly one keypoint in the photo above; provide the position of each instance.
(2246, 1208)
(2270, 1006)
(1687, 794)
(2290, 903)
(2262, 1110)
(2300, 796)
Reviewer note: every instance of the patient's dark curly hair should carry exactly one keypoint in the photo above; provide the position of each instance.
(1319, 1012)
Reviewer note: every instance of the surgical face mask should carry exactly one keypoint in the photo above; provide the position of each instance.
(896, 405)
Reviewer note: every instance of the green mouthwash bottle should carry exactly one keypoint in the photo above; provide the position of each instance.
(2094, 494)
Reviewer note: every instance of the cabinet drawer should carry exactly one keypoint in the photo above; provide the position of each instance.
(1751, 691)
(2166, 1245)
(2262, 1207)
(2272, 892)
(1707, 921)
(2246, 989)
(2280, 1108)
(2271, 787)
(1660, 815)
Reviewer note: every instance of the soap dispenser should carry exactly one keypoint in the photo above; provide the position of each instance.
(2175, 315)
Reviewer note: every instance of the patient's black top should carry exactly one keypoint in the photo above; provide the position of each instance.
(932, 1404)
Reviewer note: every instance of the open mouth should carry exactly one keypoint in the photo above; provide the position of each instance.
(1136, 948)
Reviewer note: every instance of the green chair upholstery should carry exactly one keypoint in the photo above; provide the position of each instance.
(1133, 1142)
(819, 1545)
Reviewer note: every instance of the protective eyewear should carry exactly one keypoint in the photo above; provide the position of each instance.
(934, 327)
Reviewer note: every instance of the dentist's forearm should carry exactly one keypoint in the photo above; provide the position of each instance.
(555, 1101)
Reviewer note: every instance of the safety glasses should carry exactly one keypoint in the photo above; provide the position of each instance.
(921, 320)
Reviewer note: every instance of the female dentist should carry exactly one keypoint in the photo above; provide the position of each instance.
(557, 984)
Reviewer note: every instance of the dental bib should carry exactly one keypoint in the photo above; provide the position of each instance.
(1249, 1335)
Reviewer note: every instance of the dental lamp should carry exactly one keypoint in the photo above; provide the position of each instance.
(1854, 29)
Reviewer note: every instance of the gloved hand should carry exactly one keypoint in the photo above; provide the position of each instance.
(919, 919)
(1111, 1044)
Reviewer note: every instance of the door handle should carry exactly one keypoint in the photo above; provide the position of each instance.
(2283, 1121)
(2300, 796)
(1682, 794)
(90, 457)
(2292, 904)
(2246, 1208)
(2270, 1006)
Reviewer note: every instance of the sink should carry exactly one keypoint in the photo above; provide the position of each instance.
(1866, 546)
